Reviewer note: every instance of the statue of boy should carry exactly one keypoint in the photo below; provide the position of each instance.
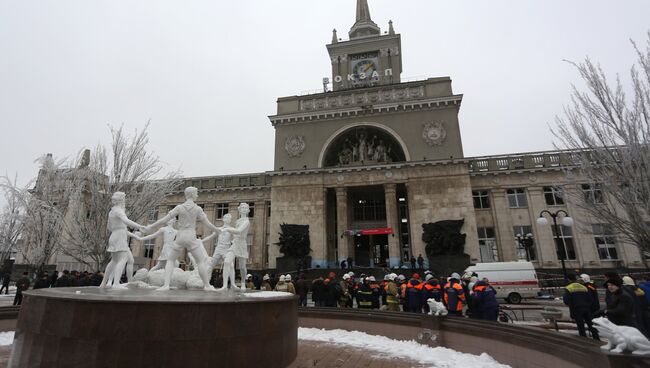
(224, 241)
(118, 245)
(238, 250)
(188, 213)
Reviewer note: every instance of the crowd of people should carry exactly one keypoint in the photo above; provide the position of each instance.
(45, 280)
(626, 303)
(393, 292)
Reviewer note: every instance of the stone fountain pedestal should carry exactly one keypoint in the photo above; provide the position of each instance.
(92, 327)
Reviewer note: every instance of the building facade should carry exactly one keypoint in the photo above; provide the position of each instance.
(371, 160)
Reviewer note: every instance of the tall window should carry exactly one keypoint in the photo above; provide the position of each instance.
(592, 193)
(517, 198)
(221, 209)
(251, 206)
(148, 248)
(487, 243)
(521, 250)
(605, 241)
(369, 209)
(152, 214)
(481, 199)
(564, 245)
(554, 196)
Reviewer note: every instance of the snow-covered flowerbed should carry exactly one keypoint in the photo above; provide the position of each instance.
(383, 346)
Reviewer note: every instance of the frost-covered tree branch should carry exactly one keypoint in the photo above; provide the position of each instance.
(128, 167)
(609, 132)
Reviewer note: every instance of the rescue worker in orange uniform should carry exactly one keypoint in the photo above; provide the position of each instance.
(430, 290)
(414, 294)
(454, 296)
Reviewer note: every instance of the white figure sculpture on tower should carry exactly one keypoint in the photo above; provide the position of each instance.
(238, 250)
(188, 213)
(169, 234)
(118, 245)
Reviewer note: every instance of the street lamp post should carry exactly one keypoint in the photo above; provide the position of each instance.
(566, 221)
(525, 241)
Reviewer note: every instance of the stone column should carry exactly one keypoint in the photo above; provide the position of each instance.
(392, 221)
(344, 243)
(255, 258)
(506, 243)
(209, 210)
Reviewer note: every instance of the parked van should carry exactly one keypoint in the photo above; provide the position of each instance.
(513, 281)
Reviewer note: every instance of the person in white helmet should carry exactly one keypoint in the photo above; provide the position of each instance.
(249, 282)
(266, 283)
(282, 285)
(593, 292)
(290, 286)
(392, 293)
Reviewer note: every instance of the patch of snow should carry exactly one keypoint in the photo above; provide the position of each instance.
(383, 346)
(267, 294)
(6, 338)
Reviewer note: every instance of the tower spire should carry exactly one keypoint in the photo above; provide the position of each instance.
(364, 26)
(363, 11)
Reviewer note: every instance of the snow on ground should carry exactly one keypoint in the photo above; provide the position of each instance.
(6, 338)
(383, 346)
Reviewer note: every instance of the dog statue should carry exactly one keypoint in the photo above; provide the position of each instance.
(436, 308)
(621, 338)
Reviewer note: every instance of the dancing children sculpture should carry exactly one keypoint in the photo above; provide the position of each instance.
(224, 241)
(118, 245)
(188, 213)
(238, 250)
(169, 234)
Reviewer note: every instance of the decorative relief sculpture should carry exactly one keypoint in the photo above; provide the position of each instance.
(118, 245)
(295, 145)
(363, 146)
(434, 133)
(361, 98)
(444, 238)
(621, 338)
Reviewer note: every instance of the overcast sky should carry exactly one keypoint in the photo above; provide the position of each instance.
(207, 73)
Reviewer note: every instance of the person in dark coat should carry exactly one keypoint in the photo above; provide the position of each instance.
(43, 282)
(6, 278)
(318, 292)
(430, 290)
(593, 292)
(376, 292)
(55, 276)
(64, 280)
(420, 262)
(414, 295)
(620, 306)
(364, 295)
(302, 288)
(577, 298)
(21, 285)
(331, 292)
(98, 277)
(484, 302)
(640, 305)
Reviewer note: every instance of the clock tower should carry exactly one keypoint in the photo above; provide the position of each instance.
(368, 58)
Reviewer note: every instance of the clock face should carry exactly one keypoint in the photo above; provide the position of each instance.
(363, 70)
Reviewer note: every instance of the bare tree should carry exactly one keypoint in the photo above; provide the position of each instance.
(11, 218)
(608, 132)
(129, 168)
(34, 216)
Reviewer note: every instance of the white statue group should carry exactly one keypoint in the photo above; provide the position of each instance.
(231, 243)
